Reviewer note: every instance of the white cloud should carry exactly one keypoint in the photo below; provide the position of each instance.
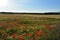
(3, 3)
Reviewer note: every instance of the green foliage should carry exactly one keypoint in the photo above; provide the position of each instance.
(12, 31)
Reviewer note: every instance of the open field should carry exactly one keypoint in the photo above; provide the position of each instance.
(29, 27)
(18, 15)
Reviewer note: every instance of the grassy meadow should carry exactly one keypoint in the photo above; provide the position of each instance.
(29, 27)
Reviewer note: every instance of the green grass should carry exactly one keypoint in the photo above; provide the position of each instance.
(20, 26)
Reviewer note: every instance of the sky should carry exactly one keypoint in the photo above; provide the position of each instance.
(30, 5)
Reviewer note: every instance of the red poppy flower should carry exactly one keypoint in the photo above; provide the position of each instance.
(1, 24)
(25, 34)
(30, 34)
(20, 37)
(39, 33)
(14, 35)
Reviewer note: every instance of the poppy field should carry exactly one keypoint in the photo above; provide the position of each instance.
(29, 28)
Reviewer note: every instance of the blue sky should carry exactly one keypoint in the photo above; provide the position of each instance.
(32, 6)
